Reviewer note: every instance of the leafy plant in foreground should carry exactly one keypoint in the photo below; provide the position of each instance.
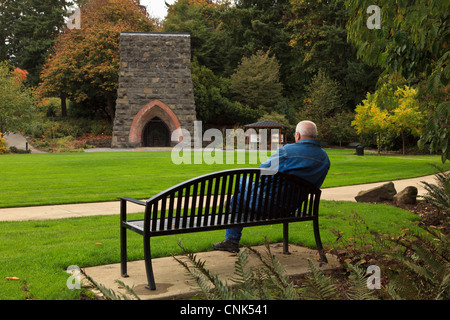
(266, 282)
(439, 194)
(269, 281)
(426, 272)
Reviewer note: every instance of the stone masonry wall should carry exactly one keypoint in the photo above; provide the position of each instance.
(154, 68)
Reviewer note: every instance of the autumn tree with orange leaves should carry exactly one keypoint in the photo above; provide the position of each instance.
(84, 63)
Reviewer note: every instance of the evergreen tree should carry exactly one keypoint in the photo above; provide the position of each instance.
(256, 81)
(29, 29)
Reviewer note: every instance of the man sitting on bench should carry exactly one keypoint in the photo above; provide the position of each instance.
(304, 159)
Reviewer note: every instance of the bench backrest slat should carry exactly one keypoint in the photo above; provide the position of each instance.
(223, 186)
(193, 204)
(179, 198)
(162, 220)
(219, 199)
(208, 203)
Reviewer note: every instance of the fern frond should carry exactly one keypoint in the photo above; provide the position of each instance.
(107, 293)
(443, 290)
(428, 261)
(272, 266)
(317, 285)
(243, 274)
(128, 289)
(359, 289)
(392, 291)
(275, 275)
(203, 277)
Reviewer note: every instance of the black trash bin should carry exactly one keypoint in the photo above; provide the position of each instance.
(359, 150)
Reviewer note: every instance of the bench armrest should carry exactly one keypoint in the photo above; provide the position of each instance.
(123, 206)
(139, 202)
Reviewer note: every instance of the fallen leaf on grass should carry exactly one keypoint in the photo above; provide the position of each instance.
(12, 278)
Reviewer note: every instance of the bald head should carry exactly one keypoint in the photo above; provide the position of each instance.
(305, 130)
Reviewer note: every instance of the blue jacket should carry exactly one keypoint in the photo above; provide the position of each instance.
(305, 159)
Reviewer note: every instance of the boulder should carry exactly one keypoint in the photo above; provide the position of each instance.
(384, 192)
(406, 196)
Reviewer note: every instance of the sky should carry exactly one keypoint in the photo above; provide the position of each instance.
(156, 8)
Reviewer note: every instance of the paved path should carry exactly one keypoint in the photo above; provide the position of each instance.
(19, 141)
(346, 193)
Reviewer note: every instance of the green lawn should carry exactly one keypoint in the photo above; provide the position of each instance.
(38, 252)
(41, 179)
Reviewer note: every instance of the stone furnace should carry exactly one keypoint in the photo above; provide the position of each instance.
(155, 95)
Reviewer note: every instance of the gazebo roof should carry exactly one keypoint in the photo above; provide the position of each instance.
(265, 124)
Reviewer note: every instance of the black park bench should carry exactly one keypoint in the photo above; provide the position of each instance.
(207, 203)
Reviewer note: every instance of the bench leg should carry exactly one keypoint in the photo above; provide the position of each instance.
(286, 238)
(318, 241)
(148, 265)
(123, 239)
(123, 252)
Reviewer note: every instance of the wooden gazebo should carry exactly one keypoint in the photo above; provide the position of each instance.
(268, 124)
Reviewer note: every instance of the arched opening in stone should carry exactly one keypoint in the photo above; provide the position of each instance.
(153, 126)
(156, 134)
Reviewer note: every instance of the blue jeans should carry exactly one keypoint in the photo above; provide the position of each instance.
(234, 234)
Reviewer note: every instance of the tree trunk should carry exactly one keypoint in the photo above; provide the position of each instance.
(403, 141)
(63, 97)
(379, 143)
(110, 108)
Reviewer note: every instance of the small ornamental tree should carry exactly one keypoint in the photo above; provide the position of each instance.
(390, 111)
(370, 119)
(407, 117)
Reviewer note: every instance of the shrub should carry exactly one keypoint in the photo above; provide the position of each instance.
(3, 148)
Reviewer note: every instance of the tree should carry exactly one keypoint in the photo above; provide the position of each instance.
(198, 18)
(256, 81)
(370, 119)
(323, 105)
(413, 41)
(212, 99)
(29, 29)
(319, 39)
(407, 116)
(436, 136)
(254, 25)
(324, 97)
(390, 109)
(85, 62)
(16, 100)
